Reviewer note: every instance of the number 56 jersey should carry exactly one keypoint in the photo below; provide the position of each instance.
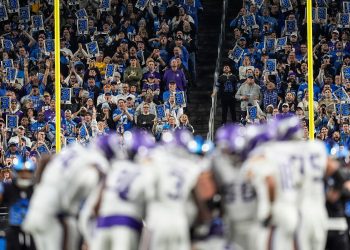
(239, 196)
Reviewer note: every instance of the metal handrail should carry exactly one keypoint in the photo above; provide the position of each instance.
(210, 135)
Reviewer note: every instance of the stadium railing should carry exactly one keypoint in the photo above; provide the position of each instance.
(210, 135)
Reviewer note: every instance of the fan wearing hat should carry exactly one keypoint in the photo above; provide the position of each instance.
(20, 138)
(107, 95)
(105, 115)
(151, 86)
(151, 69)
(69, 126)
(248, 92)
(334, 39)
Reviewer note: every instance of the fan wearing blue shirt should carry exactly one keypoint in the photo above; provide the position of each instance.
(39, 124)
(123, 116)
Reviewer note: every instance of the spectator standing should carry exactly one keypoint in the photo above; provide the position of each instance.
(227, 88)
(248, 92)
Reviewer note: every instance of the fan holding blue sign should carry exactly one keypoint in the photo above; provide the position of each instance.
(11, 74)
(3, 13)
(341, 94)
(66, 95)
(180, 99)
(252, 112)
(92, 48)
(7, 63)
(286, 5)
(281, 42)
(82, 26)
(346, 7)
(291, 26)
(12, 6)
(37, 22)
(271, 66)
(11, 121)
(5, 102)
(249, 21)
(81, 13)
(7, 45)
(160, 112)
(24, 14)
(322, 16)
(141, 4)
(345, 107)
(236, 54)
(110, 70)
(346, 72)
(344, 20)
(270, 44)
(49, 46)
(105, 5)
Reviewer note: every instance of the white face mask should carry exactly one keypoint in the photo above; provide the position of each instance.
(24, 183)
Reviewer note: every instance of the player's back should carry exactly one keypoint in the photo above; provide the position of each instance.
(283, 167)
(174, 177)
(312, 169)
(238, 195)
(125, 190)
(73, 173)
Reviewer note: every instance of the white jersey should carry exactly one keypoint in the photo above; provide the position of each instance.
(174, 177)
(125, 191)
(174, 174)
(313, 163)
(66, 182)
(278, 161)
(238, 195)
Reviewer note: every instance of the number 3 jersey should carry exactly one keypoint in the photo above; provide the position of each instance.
(238, 195)
(174, 175)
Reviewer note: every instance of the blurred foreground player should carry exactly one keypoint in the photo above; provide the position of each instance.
(294, 172)
(174, 175)
(239, 203)
(121, 205)
(66, 182)
(16, 196)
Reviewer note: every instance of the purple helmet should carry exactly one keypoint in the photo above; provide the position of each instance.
(109, 145)
(288, 128)
(232, 138)
(138, 141)
(181, 137)
(257, 135)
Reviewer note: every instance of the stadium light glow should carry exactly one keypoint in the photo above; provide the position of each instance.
(310, 77)
(57, 76)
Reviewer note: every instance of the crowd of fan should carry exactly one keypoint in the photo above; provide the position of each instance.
(248, 78)
(124, 64)
(140, 72)
(27, 126)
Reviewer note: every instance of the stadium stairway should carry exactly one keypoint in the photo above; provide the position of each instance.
(208, 35)
(232, 11)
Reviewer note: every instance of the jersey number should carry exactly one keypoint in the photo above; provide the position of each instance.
(124, 182)
(247, 192)
(178, 180)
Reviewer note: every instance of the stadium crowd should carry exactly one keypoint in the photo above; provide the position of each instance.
(127, 64)
(27, 125)
(124, 64)
(266, 69)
